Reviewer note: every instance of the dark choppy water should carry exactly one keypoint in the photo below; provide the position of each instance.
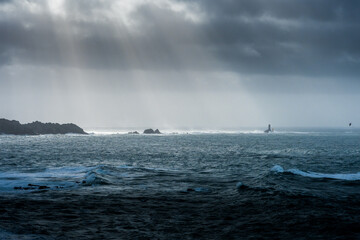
(196, 186)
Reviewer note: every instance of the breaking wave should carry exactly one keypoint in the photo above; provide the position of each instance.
(338, 176)
(73, 177)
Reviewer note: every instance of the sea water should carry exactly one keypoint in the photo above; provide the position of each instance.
(202, 185)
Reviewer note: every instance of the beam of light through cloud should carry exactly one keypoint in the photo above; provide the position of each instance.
(178, 63)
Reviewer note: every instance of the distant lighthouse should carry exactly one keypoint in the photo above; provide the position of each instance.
(269, 129)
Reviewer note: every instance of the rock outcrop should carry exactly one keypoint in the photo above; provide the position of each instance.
(37, 128)
(135, 132)
(151, 131)
(14, 127)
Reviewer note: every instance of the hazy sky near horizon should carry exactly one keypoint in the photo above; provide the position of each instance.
(180, 63)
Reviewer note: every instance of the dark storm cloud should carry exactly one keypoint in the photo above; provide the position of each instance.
(299, 37)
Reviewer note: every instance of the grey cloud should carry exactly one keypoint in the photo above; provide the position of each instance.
(315, 38)
(161, 39)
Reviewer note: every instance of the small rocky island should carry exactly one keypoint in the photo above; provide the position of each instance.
(37, 128)
(135, 132)
(151, 131)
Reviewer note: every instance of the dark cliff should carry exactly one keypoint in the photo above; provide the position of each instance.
(37, 128)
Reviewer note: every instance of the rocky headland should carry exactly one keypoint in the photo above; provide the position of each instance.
(37, 128)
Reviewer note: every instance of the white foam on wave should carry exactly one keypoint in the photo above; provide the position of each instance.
(53, 178)
(99, 176)
(62, 177)
(104, 132)
(92, 178)
(277, 168)
(170, 132)
(338, 176)
(48, 173)
(211, 131)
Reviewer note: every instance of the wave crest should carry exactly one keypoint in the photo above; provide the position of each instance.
(94, 179)
(338, 176)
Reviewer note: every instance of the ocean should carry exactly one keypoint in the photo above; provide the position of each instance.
(302, 184)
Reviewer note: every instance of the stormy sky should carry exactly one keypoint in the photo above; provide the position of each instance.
(181, 63)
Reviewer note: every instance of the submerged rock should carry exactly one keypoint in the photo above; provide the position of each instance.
(32, 187)
(240, 186)
(151, 131)
(37, 128)
(35, 187)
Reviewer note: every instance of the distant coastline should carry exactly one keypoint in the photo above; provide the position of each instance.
(14, 127)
